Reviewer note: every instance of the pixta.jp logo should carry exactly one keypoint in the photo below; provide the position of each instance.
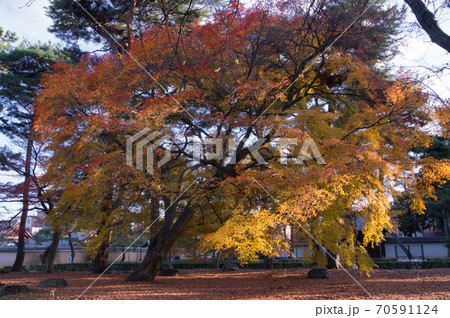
(151, 142)
(225, 151)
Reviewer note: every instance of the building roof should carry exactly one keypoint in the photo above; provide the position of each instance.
(12, 232)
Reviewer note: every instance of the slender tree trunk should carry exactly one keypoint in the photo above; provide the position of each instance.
(51, 251)
(20, 256)
(45, 254)
(216, 260)
(161, 243)
(129, 23)
(268, 262)
(72, 249)
(446, 228)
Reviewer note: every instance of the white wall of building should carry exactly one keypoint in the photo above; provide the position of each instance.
(430, 250)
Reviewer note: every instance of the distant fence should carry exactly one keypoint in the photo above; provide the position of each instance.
(63, 256)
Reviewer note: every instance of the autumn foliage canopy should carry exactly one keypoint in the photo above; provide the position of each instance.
(273, 71)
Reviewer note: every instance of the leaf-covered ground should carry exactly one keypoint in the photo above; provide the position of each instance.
(245, 284)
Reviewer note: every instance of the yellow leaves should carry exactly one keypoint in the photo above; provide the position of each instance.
(363, 260)
(433, 173)
(249, 233)
(416, 203)
(442, 114)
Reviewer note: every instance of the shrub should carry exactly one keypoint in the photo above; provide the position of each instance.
(382, 263)
(428, 263)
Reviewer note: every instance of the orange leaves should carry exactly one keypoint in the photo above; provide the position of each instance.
(442, 114)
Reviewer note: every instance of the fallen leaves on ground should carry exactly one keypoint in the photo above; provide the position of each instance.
(245, 284)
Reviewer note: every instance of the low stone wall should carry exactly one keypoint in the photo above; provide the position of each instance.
(33, 256)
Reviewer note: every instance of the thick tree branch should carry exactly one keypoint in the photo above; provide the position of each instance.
(427, 21)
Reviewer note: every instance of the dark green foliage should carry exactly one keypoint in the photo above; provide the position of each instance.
(44, 235)
(7, 38)
(409, 222)
(182, 264)
(428, 263)
(74, 21)
(384, 29)
(439, 210)
(21, 68)
(382, 263)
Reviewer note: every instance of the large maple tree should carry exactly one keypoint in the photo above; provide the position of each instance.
(282, 69)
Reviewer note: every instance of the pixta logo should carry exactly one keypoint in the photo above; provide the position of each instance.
(225, 151)
(151, 142)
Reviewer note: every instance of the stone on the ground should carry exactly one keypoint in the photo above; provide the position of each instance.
(166, 266)
(230, 267)
(319, 273)
(53, 282)
(169, 272)
(13, 289)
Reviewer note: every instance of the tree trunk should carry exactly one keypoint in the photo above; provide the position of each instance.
(101, 258)
(161, 243)
(268, 262)
(446, 228)
(51, 251)
(332, 260)
(20, 256)
(216, 260)
(72, 249)
(44, 255)
(428, 22)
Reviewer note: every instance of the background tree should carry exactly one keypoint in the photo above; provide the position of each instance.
(410, 222)
(46, 235)
(21, 69)
(7, 38)
(435, 214)
(119, 21)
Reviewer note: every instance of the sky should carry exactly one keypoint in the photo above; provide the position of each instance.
(30, 22)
